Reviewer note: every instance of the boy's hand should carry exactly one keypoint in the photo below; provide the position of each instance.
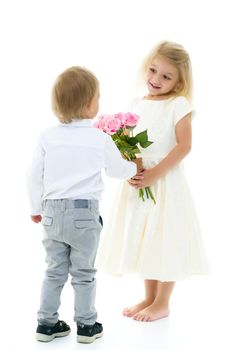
(138, 162)
(36, 218)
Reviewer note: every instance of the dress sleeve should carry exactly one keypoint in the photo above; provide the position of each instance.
(182, 108)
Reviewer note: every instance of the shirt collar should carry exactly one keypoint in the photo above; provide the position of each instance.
(81, 123)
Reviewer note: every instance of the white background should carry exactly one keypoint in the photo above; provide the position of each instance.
(39, 39)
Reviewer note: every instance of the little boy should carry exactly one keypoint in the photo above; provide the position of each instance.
(65, 185)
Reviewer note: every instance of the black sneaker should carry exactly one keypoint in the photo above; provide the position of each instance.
(87, 334)
(48, 333)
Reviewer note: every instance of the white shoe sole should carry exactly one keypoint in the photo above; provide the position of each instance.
(47, 338)
(88, 340)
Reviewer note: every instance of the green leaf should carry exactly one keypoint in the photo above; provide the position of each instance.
(132, 140)
(146, 144)
(142, 136)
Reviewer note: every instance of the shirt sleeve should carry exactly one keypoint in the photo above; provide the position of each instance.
(182, 108)
(34, 179)
(115, 165)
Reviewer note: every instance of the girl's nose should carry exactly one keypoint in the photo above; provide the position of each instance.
(158, 79)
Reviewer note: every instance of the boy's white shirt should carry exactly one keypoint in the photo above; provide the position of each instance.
(67, 163)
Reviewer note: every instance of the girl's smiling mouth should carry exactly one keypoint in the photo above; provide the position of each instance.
(154, 86)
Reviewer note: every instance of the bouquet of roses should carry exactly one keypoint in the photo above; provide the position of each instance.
(120, 127)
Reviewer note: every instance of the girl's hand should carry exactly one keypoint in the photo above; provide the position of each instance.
(144, 179)
(36, 218)
(135, 180)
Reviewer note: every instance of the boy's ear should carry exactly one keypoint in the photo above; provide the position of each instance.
(89, 103)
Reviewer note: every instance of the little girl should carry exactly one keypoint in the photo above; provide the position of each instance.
(161, 242)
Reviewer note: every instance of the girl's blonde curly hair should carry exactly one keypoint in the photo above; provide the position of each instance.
(178, 57)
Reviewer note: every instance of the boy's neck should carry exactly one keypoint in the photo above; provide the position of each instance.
(81, 119)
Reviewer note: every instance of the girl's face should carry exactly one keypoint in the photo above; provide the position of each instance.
(162, 77)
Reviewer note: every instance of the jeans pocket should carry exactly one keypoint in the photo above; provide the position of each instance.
(84, 223)
(47, 221)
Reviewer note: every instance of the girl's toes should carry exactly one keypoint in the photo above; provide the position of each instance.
(136, 316)
(125, 311)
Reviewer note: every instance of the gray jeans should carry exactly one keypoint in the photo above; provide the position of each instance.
(71, 237)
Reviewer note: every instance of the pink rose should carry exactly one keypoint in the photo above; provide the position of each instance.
(111, 124)
(121, 117)
(131, 119)
(98, 123)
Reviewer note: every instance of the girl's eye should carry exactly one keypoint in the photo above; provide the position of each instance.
(166, 77)
(152, 70)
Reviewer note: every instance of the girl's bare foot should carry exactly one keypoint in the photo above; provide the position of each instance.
(131, 311)
(153, 312)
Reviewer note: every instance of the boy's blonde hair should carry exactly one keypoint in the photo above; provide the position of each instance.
(178, 57)
(72, 92)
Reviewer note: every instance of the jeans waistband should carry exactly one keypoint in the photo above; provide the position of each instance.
(71, 203)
